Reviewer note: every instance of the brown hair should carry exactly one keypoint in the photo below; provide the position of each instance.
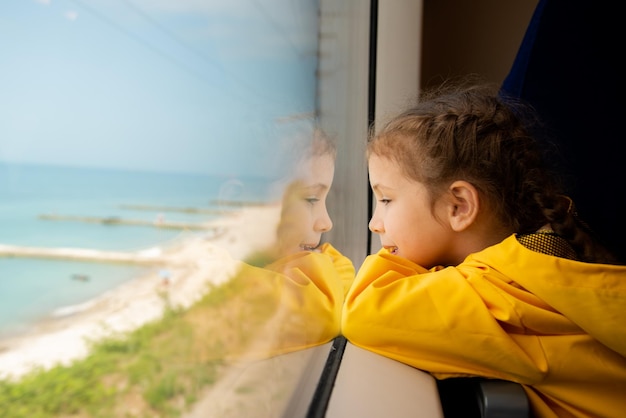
(477, 135)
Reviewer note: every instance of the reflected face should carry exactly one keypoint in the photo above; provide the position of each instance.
(304, 215)
(403, 217)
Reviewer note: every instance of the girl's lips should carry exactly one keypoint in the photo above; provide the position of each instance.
(308, 247)
(392, 249)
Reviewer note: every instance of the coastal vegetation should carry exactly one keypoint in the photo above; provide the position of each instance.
(158, 370)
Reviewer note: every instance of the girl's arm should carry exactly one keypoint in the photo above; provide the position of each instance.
(436, 321)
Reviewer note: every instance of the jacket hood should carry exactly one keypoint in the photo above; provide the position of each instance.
(593, 296)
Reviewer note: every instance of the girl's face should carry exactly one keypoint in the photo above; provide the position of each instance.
(304, 215)
(403, 217)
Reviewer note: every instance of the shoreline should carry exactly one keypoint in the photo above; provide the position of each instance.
(192, 264)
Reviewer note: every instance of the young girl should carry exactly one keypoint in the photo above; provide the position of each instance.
(485, 268)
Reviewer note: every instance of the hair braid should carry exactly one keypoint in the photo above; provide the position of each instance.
(563, 219)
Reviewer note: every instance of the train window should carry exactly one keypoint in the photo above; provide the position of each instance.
(158, 161)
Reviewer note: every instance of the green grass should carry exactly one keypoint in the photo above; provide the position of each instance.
(157, 370)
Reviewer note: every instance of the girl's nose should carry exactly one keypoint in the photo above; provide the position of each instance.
(323, 222)
(376, 225)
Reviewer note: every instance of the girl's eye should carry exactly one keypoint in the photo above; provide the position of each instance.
(384, 201)
(312, 200)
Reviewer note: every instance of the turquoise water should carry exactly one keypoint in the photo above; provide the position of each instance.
(31, 289)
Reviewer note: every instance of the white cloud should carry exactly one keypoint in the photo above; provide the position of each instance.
(71, 15)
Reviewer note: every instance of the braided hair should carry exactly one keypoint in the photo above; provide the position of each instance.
(475, 134)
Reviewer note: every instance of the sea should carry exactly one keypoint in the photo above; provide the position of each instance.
(32, 289)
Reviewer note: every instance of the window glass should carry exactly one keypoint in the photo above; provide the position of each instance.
(154, 157)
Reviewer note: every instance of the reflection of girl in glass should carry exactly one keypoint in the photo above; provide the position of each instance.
(299, 281)
(304, 216)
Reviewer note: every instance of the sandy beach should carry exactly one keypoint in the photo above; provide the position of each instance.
(192, 264)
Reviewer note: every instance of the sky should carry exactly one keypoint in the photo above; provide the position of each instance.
(199, 86)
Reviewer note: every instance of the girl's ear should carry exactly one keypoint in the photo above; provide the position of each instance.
(464, 205)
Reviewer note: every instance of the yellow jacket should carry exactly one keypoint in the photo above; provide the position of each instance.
(295, 302)
(554, 325)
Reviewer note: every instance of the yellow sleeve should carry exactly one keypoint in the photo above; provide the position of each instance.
(342, 265)
(301, 296)
(433, 320)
